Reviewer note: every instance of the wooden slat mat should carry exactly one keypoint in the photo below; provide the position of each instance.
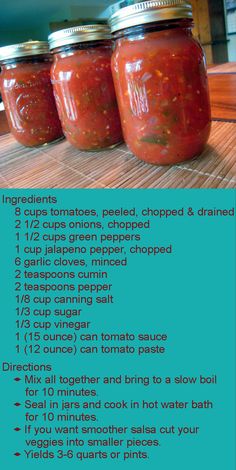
(62, 166)
(229, 67)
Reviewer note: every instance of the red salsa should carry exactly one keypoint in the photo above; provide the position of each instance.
(161, 84)
(29, 102)
(85, 95)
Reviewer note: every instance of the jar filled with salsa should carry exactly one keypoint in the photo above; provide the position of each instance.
(160, 77)
(83, 86)
(27, 93)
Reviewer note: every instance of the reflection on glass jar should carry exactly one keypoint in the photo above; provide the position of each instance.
(28, 95)
(161, 82)
(83, 87)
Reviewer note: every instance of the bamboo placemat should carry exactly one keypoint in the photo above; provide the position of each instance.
(62, 166)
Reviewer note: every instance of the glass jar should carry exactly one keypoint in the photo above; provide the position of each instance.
(159, 71)
(83, 87)
(27, 93)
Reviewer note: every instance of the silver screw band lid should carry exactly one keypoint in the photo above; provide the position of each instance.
(78, 34)
(24, 49)
(149, 12)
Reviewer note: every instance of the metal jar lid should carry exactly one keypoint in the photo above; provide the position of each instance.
(78, 34)
(121, 4)
(24, 49)
(149, 12)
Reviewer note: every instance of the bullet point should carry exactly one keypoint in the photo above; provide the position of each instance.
(17, 429)
(17, 454)
(17, 379)
(17, 404)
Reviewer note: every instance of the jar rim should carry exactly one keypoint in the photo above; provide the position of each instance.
(24, 49)
(151, 11)
(79, 34)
